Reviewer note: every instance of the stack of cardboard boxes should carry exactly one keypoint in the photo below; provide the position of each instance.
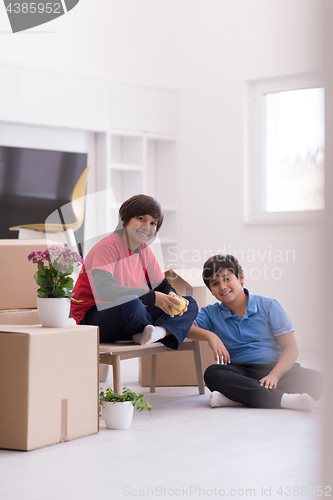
(48, 376)
(18, 289)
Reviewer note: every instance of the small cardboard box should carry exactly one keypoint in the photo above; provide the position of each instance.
(48, 385)
(174, 369)
(19, 317)
(18, 288)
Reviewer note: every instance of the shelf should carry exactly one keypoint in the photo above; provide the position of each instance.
(144, 163)
(162, 171)
(127, 167)
(126, 149)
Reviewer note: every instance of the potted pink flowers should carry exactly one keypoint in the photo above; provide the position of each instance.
(55, 265)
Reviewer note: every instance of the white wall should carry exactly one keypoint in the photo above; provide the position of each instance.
(127, 40)
(224, 44)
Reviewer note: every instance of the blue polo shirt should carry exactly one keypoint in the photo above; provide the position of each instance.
(252, 339)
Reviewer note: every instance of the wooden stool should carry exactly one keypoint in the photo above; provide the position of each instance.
(112, 354)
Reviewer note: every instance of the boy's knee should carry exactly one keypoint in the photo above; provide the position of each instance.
(192, 307)
(211, 373)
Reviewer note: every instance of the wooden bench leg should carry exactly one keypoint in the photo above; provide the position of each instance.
(198, 366)
(153, 373)
(116, 374)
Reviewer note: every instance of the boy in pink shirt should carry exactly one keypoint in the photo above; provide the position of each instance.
(122, 287)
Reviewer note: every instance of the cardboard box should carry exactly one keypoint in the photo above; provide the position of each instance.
(18, 288)
(19, 317)
(48, 385)
(178, 368)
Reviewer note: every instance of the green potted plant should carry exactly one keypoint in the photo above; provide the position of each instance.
(118, 409)
(55, 265)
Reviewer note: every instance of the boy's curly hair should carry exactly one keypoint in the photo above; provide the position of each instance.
(141, 204)
(216, 263)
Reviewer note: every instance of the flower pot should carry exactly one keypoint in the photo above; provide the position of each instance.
(117, 415)
(53, 312)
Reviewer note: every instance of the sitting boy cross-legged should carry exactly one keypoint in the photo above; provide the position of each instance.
(256, 340)
(122, 289)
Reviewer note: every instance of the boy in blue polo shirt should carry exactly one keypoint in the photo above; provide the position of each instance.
(256, 342)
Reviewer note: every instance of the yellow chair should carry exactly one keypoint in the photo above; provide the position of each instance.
(77, 207)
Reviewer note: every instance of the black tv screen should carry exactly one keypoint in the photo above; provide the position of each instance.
(34, 183)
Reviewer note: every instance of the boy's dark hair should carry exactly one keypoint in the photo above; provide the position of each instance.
(141, 204)
(215, 264)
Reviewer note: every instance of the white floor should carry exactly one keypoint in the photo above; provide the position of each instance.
(186, 450)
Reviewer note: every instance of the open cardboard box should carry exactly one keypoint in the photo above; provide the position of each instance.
(174, 369)
(19, 317)
(48, 385)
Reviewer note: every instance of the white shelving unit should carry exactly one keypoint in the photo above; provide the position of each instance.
(161, 164)
(141, 163)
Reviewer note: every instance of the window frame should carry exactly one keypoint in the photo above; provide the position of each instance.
(255, 150)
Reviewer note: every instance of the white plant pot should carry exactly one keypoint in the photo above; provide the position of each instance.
(53, 312)
(117, 415)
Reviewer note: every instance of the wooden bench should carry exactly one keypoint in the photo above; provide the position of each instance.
(112, 354)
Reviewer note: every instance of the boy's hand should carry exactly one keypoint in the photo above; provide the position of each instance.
(164, 302)
(221, 354)
(270, 381)
(173, 294)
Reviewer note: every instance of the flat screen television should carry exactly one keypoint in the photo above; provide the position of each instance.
(34, 183)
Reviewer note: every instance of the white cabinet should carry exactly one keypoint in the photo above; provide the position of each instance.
(146, 109)
(62, 100)
(38, 97)
(8, 93)
(136, 163)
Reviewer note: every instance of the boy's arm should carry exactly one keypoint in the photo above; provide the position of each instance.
(215, 343)
(287, 359)
(107, 289)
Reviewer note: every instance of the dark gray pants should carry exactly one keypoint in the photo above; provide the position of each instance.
(240, 383)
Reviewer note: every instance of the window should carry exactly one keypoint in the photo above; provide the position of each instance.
(285, 167)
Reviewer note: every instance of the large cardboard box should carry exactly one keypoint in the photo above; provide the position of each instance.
(48, 385)
(19, 317)
(178, 368)
(18, 289)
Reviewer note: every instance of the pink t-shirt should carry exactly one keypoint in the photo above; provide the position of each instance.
(131, 270)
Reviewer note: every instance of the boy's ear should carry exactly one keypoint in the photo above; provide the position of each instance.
(241, 278)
